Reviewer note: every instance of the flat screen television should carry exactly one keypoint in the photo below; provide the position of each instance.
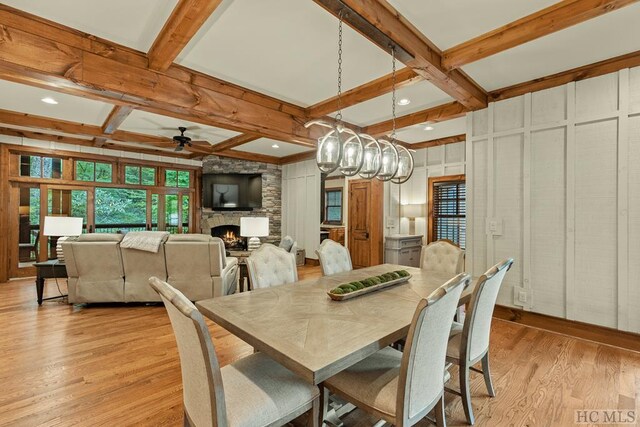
(232, 191)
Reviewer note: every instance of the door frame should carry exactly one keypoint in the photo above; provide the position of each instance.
(376, 218)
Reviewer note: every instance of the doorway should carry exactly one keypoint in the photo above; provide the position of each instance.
(366, 222)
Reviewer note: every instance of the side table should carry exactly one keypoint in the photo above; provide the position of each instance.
(242, 265)
(52, 269)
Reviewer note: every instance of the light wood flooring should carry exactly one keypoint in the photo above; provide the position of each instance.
(118, 365)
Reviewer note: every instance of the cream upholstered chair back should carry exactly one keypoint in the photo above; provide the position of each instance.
(423, 362)
(477, 323)
(334, 258)
(289, 244)
(203, 392)
(270, 265)
(443, 256)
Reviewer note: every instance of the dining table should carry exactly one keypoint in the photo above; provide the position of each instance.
(299, 326)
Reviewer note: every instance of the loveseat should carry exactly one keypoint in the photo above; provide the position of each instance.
(99, 270)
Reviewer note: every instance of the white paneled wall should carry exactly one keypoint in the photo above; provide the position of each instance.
(429, 162)
(553, 180)
(301, 205)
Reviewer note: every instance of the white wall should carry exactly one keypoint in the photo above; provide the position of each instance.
(301, 205)
(558, 173)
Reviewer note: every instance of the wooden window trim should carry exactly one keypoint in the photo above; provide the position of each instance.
(432, 181)
(327, 206)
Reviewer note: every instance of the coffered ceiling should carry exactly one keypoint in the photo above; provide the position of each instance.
(248, 73)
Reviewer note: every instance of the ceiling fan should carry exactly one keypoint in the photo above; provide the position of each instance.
(182, 140)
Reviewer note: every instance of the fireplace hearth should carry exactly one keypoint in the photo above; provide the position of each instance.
(230, 235)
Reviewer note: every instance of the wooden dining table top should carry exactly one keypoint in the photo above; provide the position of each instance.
(303, 329)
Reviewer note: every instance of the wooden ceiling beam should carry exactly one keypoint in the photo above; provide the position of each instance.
(546, 21)
(437, 142)
(84, 65)
(298, 157)
(185, 21)
(235, 154)
(236, 141)
(383, 25)
(41, 136)
(365, 92)
(612, 65)
(117, 115)
(437, 114)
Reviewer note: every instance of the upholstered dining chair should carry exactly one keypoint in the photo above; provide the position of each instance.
(443, 256)
(289, 244)
(334, 258)
(270, 265)
(253, 391)
(402, 388)
(469, 342)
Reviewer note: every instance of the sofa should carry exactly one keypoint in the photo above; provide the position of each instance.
(99, 270)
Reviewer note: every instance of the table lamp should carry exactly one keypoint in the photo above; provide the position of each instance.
(412, 211)
(62, 227)
(254, 227)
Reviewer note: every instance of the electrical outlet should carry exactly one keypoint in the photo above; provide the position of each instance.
(522, 297)
(391, 222)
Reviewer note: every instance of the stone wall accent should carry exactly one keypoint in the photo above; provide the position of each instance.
(271, 195)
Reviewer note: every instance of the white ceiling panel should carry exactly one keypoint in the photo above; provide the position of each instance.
(264, 146)
(607, 36)
(154, 124)
(284, 48)
(28, 99)
(417, 133)
(422, 95)
(130, 23)
(448, 23)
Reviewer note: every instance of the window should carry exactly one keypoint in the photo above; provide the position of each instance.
(120, 209)
(447, 209)
(40, 167)
(333, 206)
(93, 171)
(144, 175)
(175, 178)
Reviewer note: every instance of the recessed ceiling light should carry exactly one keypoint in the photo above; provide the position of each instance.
(404, 101)
(49, 100)
(428, 128)
(275, 146)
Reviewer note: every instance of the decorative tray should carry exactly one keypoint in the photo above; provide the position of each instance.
(358, 288)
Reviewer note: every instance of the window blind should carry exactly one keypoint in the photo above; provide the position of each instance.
(449, 211)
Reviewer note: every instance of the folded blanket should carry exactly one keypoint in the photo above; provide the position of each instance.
(149, 241)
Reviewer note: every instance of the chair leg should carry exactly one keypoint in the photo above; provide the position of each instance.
(465, 393)
(487, 375)
(315, 413)
(441, 421)
(324, 405)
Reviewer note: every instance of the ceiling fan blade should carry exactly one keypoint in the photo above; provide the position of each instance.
(203, 143)
(179, 148)
(191, 128)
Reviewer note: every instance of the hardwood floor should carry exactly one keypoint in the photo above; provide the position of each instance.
(118, 365)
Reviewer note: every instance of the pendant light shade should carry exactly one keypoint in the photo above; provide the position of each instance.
(371, 159)
(405, 165)
(352, 152)
(388, 160)
(330, 145)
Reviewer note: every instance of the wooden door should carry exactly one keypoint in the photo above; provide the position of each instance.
(365, 222)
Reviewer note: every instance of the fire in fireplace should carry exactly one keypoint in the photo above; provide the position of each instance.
(230, 235)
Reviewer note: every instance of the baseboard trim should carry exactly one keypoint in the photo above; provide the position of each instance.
(310, 261)
(572, 328)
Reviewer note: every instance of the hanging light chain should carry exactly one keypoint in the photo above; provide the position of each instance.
(393, 94)
(339, 113)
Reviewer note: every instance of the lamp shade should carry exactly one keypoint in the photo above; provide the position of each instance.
(414, 210)
(62, 226)
(254, 226)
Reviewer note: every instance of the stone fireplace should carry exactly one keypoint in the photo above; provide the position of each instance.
(230, 235)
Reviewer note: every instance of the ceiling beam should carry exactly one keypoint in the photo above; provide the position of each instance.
(612, 65)
(41, 136)
(437, 114)
(380, 86)
(298, 157)
(383, 25)
(185, 21)
(262, 158)
(236, 141)
(437, 142)
(88, 66)
(117, 115)
(546, 21)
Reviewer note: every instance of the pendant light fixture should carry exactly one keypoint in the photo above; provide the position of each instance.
(405, 165)
(371, 163)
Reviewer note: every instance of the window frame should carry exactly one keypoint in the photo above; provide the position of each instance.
(42, 159)
(433, 181)
(139, 166)
(327, 205)
(75, 161)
